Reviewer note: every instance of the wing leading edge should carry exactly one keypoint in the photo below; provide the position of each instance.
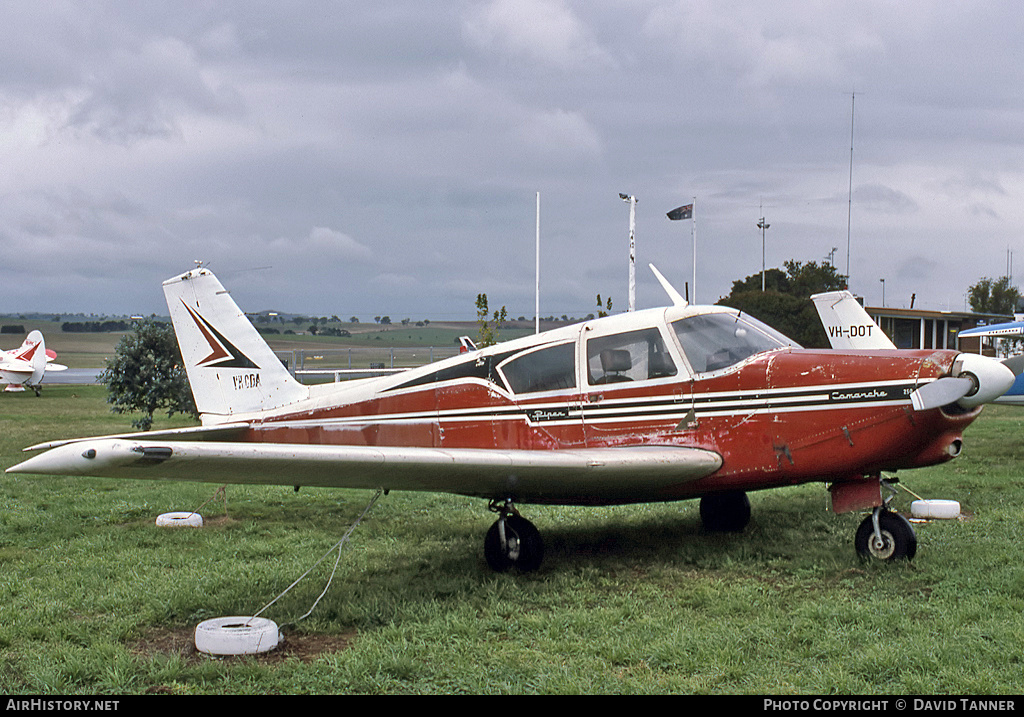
(583, 476)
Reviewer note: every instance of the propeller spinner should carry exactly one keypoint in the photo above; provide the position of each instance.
(975, 380)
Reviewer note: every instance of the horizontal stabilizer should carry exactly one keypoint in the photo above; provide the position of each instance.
(219, 432)
(603, 475)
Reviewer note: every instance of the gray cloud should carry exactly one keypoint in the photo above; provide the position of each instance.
(386, 158)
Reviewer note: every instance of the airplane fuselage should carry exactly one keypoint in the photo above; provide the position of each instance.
(655, 405)
(781, 417)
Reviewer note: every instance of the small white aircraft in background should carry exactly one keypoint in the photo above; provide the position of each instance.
(26, 365)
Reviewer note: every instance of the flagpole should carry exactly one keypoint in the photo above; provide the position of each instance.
(693, 231)
(536, 316)
(687, 212)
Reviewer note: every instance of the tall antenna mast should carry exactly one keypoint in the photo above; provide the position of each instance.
(849, 205)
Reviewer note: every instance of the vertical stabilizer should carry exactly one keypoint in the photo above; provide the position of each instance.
(847, 324)
(230, 367)
(36, 355)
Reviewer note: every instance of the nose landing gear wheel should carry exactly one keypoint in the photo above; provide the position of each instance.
(513, 542)
(894, 540)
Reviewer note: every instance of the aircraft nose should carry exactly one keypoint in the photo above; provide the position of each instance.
(991, 378)
(974, 380)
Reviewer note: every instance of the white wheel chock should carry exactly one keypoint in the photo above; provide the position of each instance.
(236, 636)
(935, 509)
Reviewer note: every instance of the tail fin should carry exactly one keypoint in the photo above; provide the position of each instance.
(230, 367)
(33, 350)
(847, 324)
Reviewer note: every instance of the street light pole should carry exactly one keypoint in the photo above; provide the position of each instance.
(632, 248)
(762, 225)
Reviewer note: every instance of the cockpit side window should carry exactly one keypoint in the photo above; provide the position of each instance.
(547, 369)
(715, 341)
(629, 356)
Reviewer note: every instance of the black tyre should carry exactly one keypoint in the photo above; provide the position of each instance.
(523, 548)
(899, 541)
(725, 512)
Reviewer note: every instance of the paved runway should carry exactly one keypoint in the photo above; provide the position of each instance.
(73, 375)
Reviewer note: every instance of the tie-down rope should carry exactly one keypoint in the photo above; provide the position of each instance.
(337, 547)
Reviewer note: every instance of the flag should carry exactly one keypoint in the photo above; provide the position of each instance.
(683, 212)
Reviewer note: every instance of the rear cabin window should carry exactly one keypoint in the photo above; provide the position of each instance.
(630, 356)
(547, 369)
(715, 341)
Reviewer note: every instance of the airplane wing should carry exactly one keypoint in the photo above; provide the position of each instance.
(847, 323)
(605, 475)
(1009, 329)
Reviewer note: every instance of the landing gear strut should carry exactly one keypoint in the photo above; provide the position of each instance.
(885, 535)
(513, 541)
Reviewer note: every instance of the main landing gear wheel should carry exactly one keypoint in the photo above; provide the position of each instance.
(512, 542)
(725, 512)
(893, 537)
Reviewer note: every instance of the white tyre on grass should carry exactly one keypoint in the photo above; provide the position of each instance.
(935, 509)
(180, 520)
(236, 636)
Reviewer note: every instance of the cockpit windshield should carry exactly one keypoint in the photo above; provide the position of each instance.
(715, 341)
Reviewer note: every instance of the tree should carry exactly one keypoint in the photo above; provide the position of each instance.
(785, 303)
(993, 296)
(487, 334)
(774, 280)
(147, 374)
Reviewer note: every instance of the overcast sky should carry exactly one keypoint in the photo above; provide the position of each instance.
(358, 158)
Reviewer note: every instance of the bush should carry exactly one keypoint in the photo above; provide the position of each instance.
(147, 374)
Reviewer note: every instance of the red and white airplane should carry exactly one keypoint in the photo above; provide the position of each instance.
(654, 405)
(26, 365)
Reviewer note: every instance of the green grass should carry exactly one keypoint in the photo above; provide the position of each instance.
(94, 598)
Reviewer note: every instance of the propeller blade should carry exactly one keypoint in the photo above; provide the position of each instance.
(1015, 364)
(941, 392)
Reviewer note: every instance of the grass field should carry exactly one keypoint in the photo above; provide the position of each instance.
(94, 598)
